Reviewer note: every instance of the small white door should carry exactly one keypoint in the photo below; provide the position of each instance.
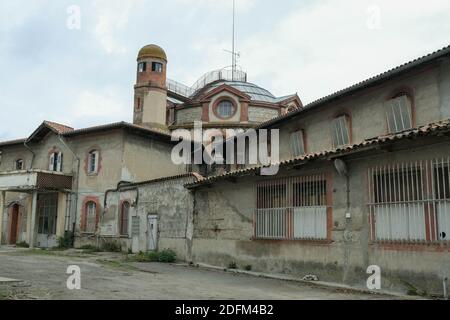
(152, 232)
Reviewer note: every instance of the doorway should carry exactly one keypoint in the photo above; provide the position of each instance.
(152, 232)
(47, 213)
(14, 224)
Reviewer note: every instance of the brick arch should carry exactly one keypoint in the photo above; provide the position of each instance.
(83, 222)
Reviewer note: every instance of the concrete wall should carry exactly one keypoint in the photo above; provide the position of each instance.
(169, 200)
(223, 227)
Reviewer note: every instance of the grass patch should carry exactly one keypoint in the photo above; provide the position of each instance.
(22, 244)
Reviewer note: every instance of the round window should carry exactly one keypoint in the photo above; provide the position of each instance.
(226, 109)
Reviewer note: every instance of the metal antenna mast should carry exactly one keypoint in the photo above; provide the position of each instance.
(233, 62)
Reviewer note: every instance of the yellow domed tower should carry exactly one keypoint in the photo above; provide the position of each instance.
(150, 91)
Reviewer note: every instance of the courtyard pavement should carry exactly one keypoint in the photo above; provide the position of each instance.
(40, 274)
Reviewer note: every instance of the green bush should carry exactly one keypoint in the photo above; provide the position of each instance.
(164, 256)
(232, 265)
(167, 256)
(111, 247)
(248, 268)
(22, 244)
(66, 241)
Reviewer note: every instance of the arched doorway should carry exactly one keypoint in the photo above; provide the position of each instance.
(14, 223)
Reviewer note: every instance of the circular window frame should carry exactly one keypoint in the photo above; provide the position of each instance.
(218, 102)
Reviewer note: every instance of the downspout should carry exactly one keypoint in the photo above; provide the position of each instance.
(33, 154)
(75, 184)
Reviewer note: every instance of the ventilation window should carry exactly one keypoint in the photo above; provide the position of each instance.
(399, 115)
(157, 67)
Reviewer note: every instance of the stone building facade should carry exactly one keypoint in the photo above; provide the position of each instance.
(363, 178)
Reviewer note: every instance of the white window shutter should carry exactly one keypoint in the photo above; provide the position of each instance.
(51, 162)
(96, 154)
(59, 163)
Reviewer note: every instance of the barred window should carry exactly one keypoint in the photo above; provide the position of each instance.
(341, 131)
(157, 67)
(410, 201)
(399, 114)
(142, 67)
(297, 143)
(93, 160)
(293, 208)
(124, 217)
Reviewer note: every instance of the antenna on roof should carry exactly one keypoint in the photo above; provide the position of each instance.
(234, 54)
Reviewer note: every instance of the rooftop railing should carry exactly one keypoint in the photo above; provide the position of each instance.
(210, 77)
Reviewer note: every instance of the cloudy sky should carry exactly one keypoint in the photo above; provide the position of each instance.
(51, 70)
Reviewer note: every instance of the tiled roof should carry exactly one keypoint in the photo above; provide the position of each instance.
(12, 142)
(59, 128)
(366, 83)
(430, 129)
(194, 175)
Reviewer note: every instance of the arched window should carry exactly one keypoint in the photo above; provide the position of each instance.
(399, 113)
(90, 217)
(93, 160)
(298, 143)
(226, 109)
(124, 218)
(55, 161)
(341, 131)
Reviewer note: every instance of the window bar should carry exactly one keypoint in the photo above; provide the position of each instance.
(434, 194)
(437, 197)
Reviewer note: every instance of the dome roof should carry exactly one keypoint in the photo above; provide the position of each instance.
(152, 51)
(255, 92)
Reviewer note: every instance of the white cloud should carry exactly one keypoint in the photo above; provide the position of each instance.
(113, 17)
(91, 106)
(327, 46)
(241, 5)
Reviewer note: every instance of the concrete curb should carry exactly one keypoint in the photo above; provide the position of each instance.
(328, 285)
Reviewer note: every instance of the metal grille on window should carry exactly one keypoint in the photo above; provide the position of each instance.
(91, 217)
(293, 208)
(399, 114)
(225, 109)
(297, 143)
(341, 134)
(410, 202)
(124, 218)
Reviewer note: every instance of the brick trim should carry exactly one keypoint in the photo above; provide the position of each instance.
(87, 200)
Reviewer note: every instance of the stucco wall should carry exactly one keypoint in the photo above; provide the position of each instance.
(224, 230)
(367, 111)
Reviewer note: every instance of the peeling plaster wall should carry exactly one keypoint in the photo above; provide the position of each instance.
(169, 200)
(224, 230)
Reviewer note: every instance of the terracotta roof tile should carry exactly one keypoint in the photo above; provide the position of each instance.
(430, 129)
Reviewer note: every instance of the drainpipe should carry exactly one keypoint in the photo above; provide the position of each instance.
(60, 137)
(33, 154)
(342, 169)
